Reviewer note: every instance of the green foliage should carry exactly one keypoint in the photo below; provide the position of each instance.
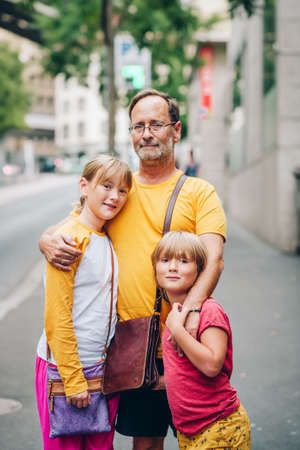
(269, 40)
(14, 99)
(76, 30)
(166, 28)
(71, 33)
(237, 96)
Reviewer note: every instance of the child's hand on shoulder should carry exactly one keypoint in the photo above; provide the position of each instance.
(176, 318)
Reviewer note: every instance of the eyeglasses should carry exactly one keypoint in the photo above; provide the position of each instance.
(154, 128)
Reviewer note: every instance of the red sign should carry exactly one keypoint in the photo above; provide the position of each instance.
(206, 54)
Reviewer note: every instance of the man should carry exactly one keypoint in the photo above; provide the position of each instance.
(155, 129)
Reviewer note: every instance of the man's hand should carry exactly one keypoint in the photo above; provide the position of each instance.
(192, 324)
(59, 249)
(81, 400)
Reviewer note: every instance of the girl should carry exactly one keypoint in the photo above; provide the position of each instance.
(77, 303)
(206, 409)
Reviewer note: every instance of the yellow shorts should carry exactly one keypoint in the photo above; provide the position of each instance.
(225, 434)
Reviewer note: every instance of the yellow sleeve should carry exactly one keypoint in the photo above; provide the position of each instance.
(59, 328)
(210, 216)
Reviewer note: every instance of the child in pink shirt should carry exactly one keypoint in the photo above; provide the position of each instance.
(205, 407)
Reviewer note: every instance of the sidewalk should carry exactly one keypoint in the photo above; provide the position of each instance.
(260, 291)
(39, 183)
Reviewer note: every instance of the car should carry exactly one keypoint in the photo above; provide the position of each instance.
(11, 169)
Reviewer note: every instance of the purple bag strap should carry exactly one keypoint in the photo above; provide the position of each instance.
(166, 228)
(110, 308)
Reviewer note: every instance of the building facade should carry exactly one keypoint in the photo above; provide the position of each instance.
(81, 119)
(31, 147)
(264, 145)
(208, 96)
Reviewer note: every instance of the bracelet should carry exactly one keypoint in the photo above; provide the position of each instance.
(195, 310)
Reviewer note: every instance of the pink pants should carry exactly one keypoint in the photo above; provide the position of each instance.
(100, 441)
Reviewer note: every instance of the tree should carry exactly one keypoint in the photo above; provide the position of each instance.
(14, 99)
(167, 29)
(75, 29)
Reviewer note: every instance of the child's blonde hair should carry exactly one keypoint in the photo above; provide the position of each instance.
(101, 169)
(181, 244)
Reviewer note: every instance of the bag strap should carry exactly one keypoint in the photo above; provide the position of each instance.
(103, 356)
(172, 201)
(166, 228)
(111, 297)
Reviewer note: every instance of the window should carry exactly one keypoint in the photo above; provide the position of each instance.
(66, 106)
(81, 104)
(50, 102)
(66, 131)
(104, 127)
(81, 129)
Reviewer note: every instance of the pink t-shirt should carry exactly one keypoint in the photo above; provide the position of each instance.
(196, 400)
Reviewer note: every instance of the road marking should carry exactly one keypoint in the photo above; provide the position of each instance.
(23, 291)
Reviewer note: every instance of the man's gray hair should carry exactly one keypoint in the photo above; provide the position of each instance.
(172, 103)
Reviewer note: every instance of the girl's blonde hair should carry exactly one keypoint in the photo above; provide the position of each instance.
(181, 244)
(101, 169)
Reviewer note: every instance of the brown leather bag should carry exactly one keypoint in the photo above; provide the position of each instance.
(130, 361)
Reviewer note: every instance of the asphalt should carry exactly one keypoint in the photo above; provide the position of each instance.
(26, 186)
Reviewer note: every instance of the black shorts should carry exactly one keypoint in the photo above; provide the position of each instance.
(144, 413)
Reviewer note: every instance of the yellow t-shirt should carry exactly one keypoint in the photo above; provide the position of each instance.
(138, 228)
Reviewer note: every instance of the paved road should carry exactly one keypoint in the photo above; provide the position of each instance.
(26, 210)
(260, 291)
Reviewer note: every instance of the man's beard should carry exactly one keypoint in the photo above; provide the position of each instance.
(159, 153)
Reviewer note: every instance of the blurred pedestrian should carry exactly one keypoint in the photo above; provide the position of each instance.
(155, 129)
(192, 168)
(80, 312)
(206, 410)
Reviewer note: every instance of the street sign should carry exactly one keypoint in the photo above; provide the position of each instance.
(132, 65)
(206, 73)
(134, 75)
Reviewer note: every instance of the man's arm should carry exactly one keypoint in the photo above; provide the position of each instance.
(59, 249)
(207, 280)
